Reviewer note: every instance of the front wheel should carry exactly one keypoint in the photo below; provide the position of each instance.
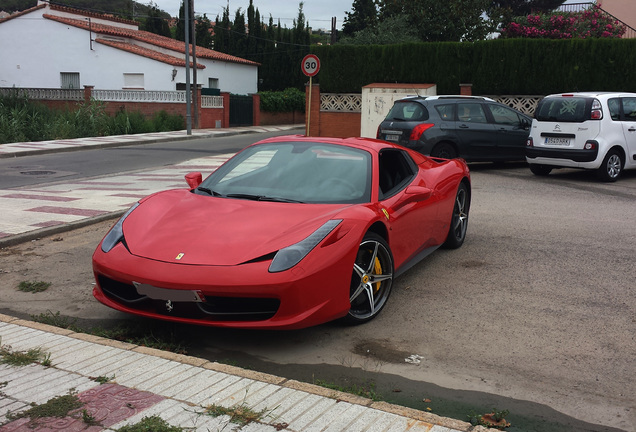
(371, 279)
(459, 220)
(540, 170)
(611, 167)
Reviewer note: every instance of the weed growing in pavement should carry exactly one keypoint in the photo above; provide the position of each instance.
(151, 424)
(102, 379)
(367, 390)
(56, 320)
(23, 358)
(241, 414)
(88, 418)
(33, 286)
(495, 419)
(59, 406)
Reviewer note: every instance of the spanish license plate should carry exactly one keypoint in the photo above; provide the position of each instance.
(557, 141)
(395, 138)
(156, 293)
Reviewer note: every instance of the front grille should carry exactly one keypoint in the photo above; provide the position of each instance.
(215, 308)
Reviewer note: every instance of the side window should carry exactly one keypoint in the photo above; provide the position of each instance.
(504, 115)
(446, 112)
(69, 80)
(471, 113)
(396, 171)
(614, 106)
(629, 108)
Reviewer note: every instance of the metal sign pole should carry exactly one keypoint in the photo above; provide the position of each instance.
(311, 90)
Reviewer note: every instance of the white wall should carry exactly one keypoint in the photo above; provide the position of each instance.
(377, 100)
(34, 50)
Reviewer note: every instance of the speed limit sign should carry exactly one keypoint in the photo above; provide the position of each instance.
(311, 65)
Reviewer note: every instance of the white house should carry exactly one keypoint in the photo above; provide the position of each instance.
(52, 46)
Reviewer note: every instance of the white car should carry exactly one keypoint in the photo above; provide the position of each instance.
(593, 130)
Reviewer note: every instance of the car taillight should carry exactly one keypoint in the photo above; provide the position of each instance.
(529, 142)
(418, 130)
(597, 110)
(590, 145)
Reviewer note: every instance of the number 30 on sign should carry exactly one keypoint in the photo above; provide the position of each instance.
(311, 65)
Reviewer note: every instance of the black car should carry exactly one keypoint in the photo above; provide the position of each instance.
(471, 127)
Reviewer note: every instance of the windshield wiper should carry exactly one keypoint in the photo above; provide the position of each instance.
(209, 191)
(261, 198)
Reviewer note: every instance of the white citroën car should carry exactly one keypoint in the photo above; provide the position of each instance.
(591, 130)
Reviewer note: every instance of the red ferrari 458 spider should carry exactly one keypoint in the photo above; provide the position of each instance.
(291, 232)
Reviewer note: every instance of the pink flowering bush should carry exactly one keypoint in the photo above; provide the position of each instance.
(591, 23)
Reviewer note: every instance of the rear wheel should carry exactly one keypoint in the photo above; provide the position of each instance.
(444, 150)
(611, 167)
(459, 221)
(371, 279)
(540, 170)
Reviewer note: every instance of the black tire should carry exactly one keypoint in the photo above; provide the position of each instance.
(611, 168)
(540, 170)
(371, 279)
(444, 150)
(459, 220)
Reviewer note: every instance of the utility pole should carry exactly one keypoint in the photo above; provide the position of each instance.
(186, 17)
(195, 87)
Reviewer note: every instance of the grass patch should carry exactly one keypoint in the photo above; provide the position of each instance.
(23, 358)
(366, 390)
(33, 286)
(151, 424)
(241, 415)
(59, 406)
(103, 379)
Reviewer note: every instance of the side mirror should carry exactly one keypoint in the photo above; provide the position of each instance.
(194, 179)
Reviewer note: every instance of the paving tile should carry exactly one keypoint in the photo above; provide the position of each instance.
(203, 381)
(208, 394)
(315, 413)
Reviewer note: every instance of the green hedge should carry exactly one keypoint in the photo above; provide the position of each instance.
(501, 66)
(288, 100)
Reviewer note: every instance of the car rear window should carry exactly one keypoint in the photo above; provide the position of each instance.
(563, 109)
(408, 111)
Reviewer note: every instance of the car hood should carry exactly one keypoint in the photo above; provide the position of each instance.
(181, 227)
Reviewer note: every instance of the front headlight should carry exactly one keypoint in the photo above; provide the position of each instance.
(290, 256)
(116, 233)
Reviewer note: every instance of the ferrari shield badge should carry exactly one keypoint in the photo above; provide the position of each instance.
(386, 213)
(169, 306)
(178, 257)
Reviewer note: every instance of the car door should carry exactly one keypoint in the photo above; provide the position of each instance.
(512, 132)
(629, 128)
(477, 137)
(412, 219)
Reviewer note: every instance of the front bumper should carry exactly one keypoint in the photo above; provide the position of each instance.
(243, 296)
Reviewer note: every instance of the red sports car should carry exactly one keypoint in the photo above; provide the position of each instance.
(291, 232)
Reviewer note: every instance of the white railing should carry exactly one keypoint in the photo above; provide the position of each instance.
(44, 94)
(341, 102)
(177, 96)
(211, 101)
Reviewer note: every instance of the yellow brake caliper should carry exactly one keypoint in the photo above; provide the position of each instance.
(377, 269)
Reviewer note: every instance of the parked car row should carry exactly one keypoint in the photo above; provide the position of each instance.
(594, 131)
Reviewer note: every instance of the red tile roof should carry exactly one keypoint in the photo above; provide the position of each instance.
(91, 14)
(24, 12)
(150, 38)
(145, 52)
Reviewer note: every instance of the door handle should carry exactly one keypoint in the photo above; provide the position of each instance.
(463, 126)
(632, 129)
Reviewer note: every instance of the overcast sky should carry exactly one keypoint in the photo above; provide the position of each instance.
(317, 12)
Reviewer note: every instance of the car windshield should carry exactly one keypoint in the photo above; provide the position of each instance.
(562, 109)
(407, 111)
(304, 172)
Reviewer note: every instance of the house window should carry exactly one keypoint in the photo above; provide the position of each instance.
(213, 83)
(69, 80)
(134, 81)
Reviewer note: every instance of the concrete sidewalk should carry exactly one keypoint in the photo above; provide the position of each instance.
(145, 382)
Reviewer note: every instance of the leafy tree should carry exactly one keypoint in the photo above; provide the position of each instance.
(449, 20)
(180, 28)
(504, 11)
(203, 29)
(222, 29)
(392, 30)
(364, 15)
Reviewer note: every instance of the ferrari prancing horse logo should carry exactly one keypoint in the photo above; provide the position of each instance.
(178, 257)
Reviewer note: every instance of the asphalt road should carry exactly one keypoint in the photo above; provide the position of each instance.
(534, 314)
